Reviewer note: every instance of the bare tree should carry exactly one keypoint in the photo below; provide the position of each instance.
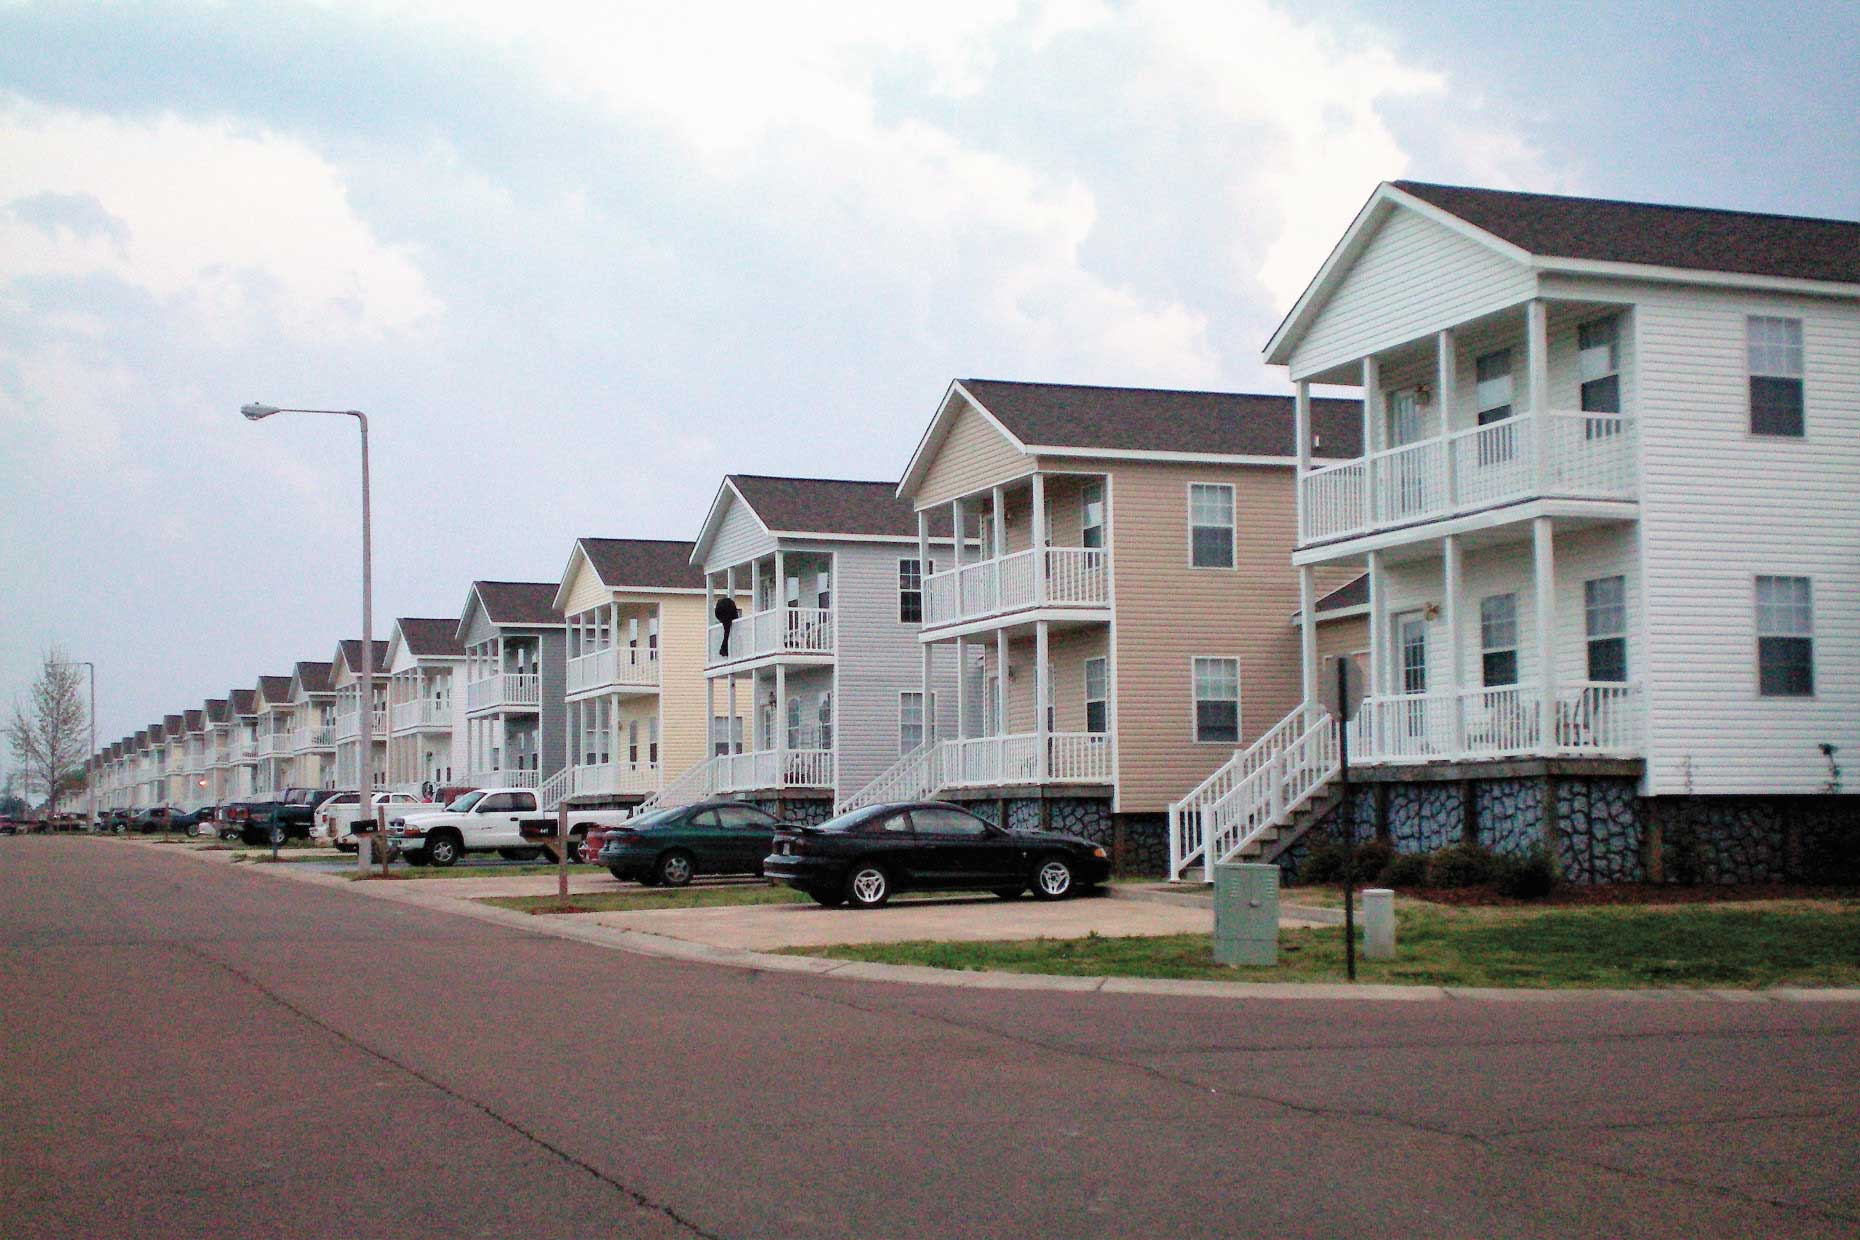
(49, 733)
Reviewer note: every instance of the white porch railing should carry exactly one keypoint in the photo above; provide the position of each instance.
(1036, 577)
(620, 666)
(422, 713)
(504, 779)
(914, 777)
(1595, 718)
(992, 761)
(552, 791)
(306, 740)
(1591, 456)
(773, 768)
(614, 779)
(693, 784)
(349, 724)
(272, 742)
(779, 630)
(507, 689)
(1255, 789)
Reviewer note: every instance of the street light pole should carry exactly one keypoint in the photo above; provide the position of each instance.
(90, 777)
(365, 791)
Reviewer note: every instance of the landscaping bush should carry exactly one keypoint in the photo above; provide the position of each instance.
(1530, 877)
(1404, 870)
(1461, 865)
(1324, 863)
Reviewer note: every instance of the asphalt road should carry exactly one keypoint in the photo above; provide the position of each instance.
(194, 1049)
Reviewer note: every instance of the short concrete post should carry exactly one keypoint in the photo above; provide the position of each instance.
(1246, 914)
(1378, 923)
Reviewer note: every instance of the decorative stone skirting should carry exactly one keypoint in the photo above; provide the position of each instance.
(1140, 840)
(807, 811)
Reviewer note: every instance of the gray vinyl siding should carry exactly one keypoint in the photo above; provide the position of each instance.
(1414, 277)
(478, 627)
(552, 667)
(740, 537)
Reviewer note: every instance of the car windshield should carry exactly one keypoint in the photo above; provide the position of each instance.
(465, 802)
(853, 819)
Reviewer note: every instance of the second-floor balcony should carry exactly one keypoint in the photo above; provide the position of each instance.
(1036, 578)
(772, 768)
(426, 712)
(801, 631)
(615, 779)
(617, 667)
(349, 724)
(521, 690)
(270, 743)
(312, 738)
(1561, 455)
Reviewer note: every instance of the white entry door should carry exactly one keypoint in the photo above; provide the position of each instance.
(1406, 487)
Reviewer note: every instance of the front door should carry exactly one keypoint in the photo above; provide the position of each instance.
(1407, 470)
(1411, 666)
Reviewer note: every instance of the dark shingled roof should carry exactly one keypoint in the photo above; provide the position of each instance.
(216, 711)
(828, 505)
(644, 563)
(174, 725)
(1694, 238)
(1355, 594)
(1064, 415)
(196, 720)
(352, 654)
(315, 676)
(431, 639)
(518, 602)
(275, 689)
(244, 701)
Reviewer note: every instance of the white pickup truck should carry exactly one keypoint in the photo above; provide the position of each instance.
(506, 821)
(335, 819)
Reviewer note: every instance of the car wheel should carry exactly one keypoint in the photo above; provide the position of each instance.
(578, 851)
(1009, 893)
(673, 870)
(828, 899)
(442, 850)
(868, 886)
(277, 836)
(413, 858)
(1053, 879)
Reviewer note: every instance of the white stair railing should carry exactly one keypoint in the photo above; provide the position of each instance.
(1255, 790)
(694, 785)
(914, 777)
(553, 789)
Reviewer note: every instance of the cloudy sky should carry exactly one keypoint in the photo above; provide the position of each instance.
(578, 261)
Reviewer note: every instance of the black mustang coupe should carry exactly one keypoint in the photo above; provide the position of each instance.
(863, 856)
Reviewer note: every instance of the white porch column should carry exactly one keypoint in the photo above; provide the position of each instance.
(1543, 582)
(781, 707)
(959, 514)
(1450, 613)
(998, 518)
(736, 744)
(710, 719)
(1537, 371)
(1039, 538)
(1001, 682)
(1307, 631)
(1378, 624)
(1042, 692)
(1372, 380)
(1301, 430)
(1443, 401)
(962, 688)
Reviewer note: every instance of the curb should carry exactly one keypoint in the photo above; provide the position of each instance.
(663, 947)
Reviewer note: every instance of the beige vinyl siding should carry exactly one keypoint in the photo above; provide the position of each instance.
(1413, 277)
(1340, 637)
(584, 587)
(1169, 613)
(683, 731)
(972, 457)
(1067, 652)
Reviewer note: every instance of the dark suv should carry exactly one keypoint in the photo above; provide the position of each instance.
(287, 818)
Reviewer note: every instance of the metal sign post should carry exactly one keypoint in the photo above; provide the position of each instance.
(1343, 700)
(561, 843)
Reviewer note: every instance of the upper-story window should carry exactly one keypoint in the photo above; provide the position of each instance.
(1091, 514)
(1604, 618)
(1498, 639)
(1211, 525)
(1097, 695)
(1785, 637)
(1493, 392)
(823, 589)
(1598, 363)
(911, 591)
(1775, 347)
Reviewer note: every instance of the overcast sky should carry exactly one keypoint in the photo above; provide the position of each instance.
(578, 261)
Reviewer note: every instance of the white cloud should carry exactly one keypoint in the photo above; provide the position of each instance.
(239, 230)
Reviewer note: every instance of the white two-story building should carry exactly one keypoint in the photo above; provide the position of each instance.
(426, 704)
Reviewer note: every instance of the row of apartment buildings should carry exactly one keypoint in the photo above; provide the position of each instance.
(1584, 508)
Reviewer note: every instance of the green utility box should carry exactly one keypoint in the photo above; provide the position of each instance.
(1246, 914)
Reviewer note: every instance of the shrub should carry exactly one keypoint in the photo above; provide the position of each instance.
(1530, 877)
(1324, 863)
(1461, 865)
(1404, 870)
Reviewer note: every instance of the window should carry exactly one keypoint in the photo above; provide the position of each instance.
(910, 722)
(1775, 376)
(823, 589)
(1091, 514)
(825, 716)
(652, 635)
(652, 740)
(794, 724)
(1604, 612)
(743, 817)
(1217, 701)
(1598, 364)
(894, 822)
(498, 803)
(1498, 639)
(911, 592)
(944, 820)
(703, 820)
(632, 743)
(1211, 525)
(1785, 637)
(1493, 394)
(1097, 695)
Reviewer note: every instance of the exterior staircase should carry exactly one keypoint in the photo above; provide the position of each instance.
(914, 777)
(692, 786)
(550, 792)
(1261, 800)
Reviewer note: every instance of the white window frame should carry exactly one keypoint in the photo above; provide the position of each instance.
(1086, 489)
(1195, 699)
(1590, 635)
(1482, 404)
(1486, 646)
(926, 704)
(1232, 527)
(1104, 699)
(1777, 364)
(924, 569)
(1758, 608)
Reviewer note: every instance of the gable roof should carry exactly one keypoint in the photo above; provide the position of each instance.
(1605, 230)
(827, 507)
(312, 677)
(642, 563)
(529, 603)
(1351, 594)
(243, 701)
(1599, 236)
(195, 720)
(275, 690)
(430, 638)
(349, 653)
(173, 725)
(217, 711)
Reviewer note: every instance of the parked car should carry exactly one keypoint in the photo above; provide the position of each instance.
(669, 847)
(506, 821)
(863, 857)
(235, 818)
(154, 818)
(116, 819)
(289, 817)
(193, 821)
(7, 825)
(335, 819)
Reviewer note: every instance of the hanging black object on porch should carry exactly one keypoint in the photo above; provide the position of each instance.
(726, 614)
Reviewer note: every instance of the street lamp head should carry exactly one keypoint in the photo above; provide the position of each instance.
(254, 412)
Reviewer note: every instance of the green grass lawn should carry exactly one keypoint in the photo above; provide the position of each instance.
(1814, 943)
(648, 899)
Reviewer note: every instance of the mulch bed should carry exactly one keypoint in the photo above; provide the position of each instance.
(1631, 893)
